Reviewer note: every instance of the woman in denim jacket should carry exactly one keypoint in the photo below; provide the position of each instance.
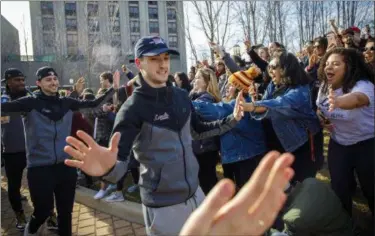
(206, 150)
(242, 147)
(288, 118)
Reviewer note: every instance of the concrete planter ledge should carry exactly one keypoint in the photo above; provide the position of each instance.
(129, 211)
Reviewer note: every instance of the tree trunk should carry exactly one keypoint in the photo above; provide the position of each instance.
(338, 13)
(253, 12)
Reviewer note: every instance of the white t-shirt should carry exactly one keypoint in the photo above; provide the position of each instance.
(351, 126)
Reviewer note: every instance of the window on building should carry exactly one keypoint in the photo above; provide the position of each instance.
(93, 25)
(72, 50)
(72, 40)
(134, 39)
(49, 40)
(70, 9)
(71, 24)
(92, 9)
(133, 12)
(173, 42)
(153, 13)
(171, 14)
(114, 10)
(46, 8)
(172, 27)
(94, 39)
(116, 40)
(154, 27)
(48, 24)
(115, 25)
(134, 26)
(133, 3)
(152, 3)
(171, 3)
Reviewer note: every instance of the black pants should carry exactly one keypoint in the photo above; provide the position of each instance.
(135, 174)
(342, 161)
(45, 182)
(303, 165)
(15, 163)
(207, 170)
(241, 171)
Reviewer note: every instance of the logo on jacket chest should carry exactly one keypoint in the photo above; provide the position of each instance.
(164, 116)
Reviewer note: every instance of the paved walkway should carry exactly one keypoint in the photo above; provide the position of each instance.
(85, 221)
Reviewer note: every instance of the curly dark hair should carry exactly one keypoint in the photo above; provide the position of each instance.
(292, 72)
(356, 68)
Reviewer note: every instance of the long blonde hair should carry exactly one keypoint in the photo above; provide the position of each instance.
(210, 79)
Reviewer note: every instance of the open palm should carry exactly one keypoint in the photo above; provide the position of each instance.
(253, 210)
(90, 157)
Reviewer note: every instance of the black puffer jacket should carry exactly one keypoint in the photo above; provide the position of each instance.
(209, 144)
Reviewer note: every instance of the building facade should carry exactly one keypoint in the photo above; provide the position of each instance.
(10, 42)
(102, 34)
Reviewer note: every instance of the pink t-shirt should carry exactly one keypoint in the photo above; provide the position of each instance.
(351, 126)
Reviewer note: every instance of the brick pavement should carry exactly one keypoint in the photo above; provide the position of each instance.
(85, 220)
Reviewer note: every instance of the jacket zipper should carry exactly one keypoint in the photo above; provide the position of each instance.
(54, 144)
(183, 156)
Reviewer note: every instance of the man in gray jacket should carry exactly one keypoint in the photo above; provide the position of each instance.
(157, 122)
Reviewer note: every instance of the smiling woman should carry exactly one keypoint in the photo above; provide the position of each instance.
(346, 99)
(290, 122)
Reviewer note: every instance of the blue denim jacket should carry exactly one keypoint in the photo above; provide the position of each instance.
(244, 141)
(291, 115)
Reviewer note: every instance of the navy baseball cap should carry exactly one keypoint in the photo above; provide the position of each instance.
(152, 46)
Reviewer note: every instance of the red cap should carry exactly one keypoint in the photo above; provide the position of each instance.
(355, 29)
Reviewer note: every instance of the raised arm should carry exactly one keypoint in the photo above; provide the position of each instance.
(76, 104)
(203, 130)
(295, 103)
(213, 111)
(24, 104)
(259, 62)
(97, 103)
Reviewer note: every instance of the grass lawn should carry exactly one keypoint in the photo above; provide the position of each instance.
(361, 213)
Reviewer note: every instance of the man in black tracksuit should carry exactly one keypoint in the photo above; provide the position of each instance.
(48, 121)
(157, 122)
(13, 144)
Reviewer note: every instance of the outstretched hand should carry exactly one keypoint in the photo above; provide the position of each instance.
(253, 210)
(238, 112)
(331, 99)
(116, 79)
(90, 157)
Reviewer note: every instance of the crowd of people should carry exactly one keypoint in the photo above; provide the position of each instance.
(171, 132)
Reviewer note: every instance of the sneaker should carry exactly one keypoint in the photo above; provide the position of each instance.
(99, 195)
(133, 188)
(52, 222)
(115, 197)
(20, 221)
(111, 187)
